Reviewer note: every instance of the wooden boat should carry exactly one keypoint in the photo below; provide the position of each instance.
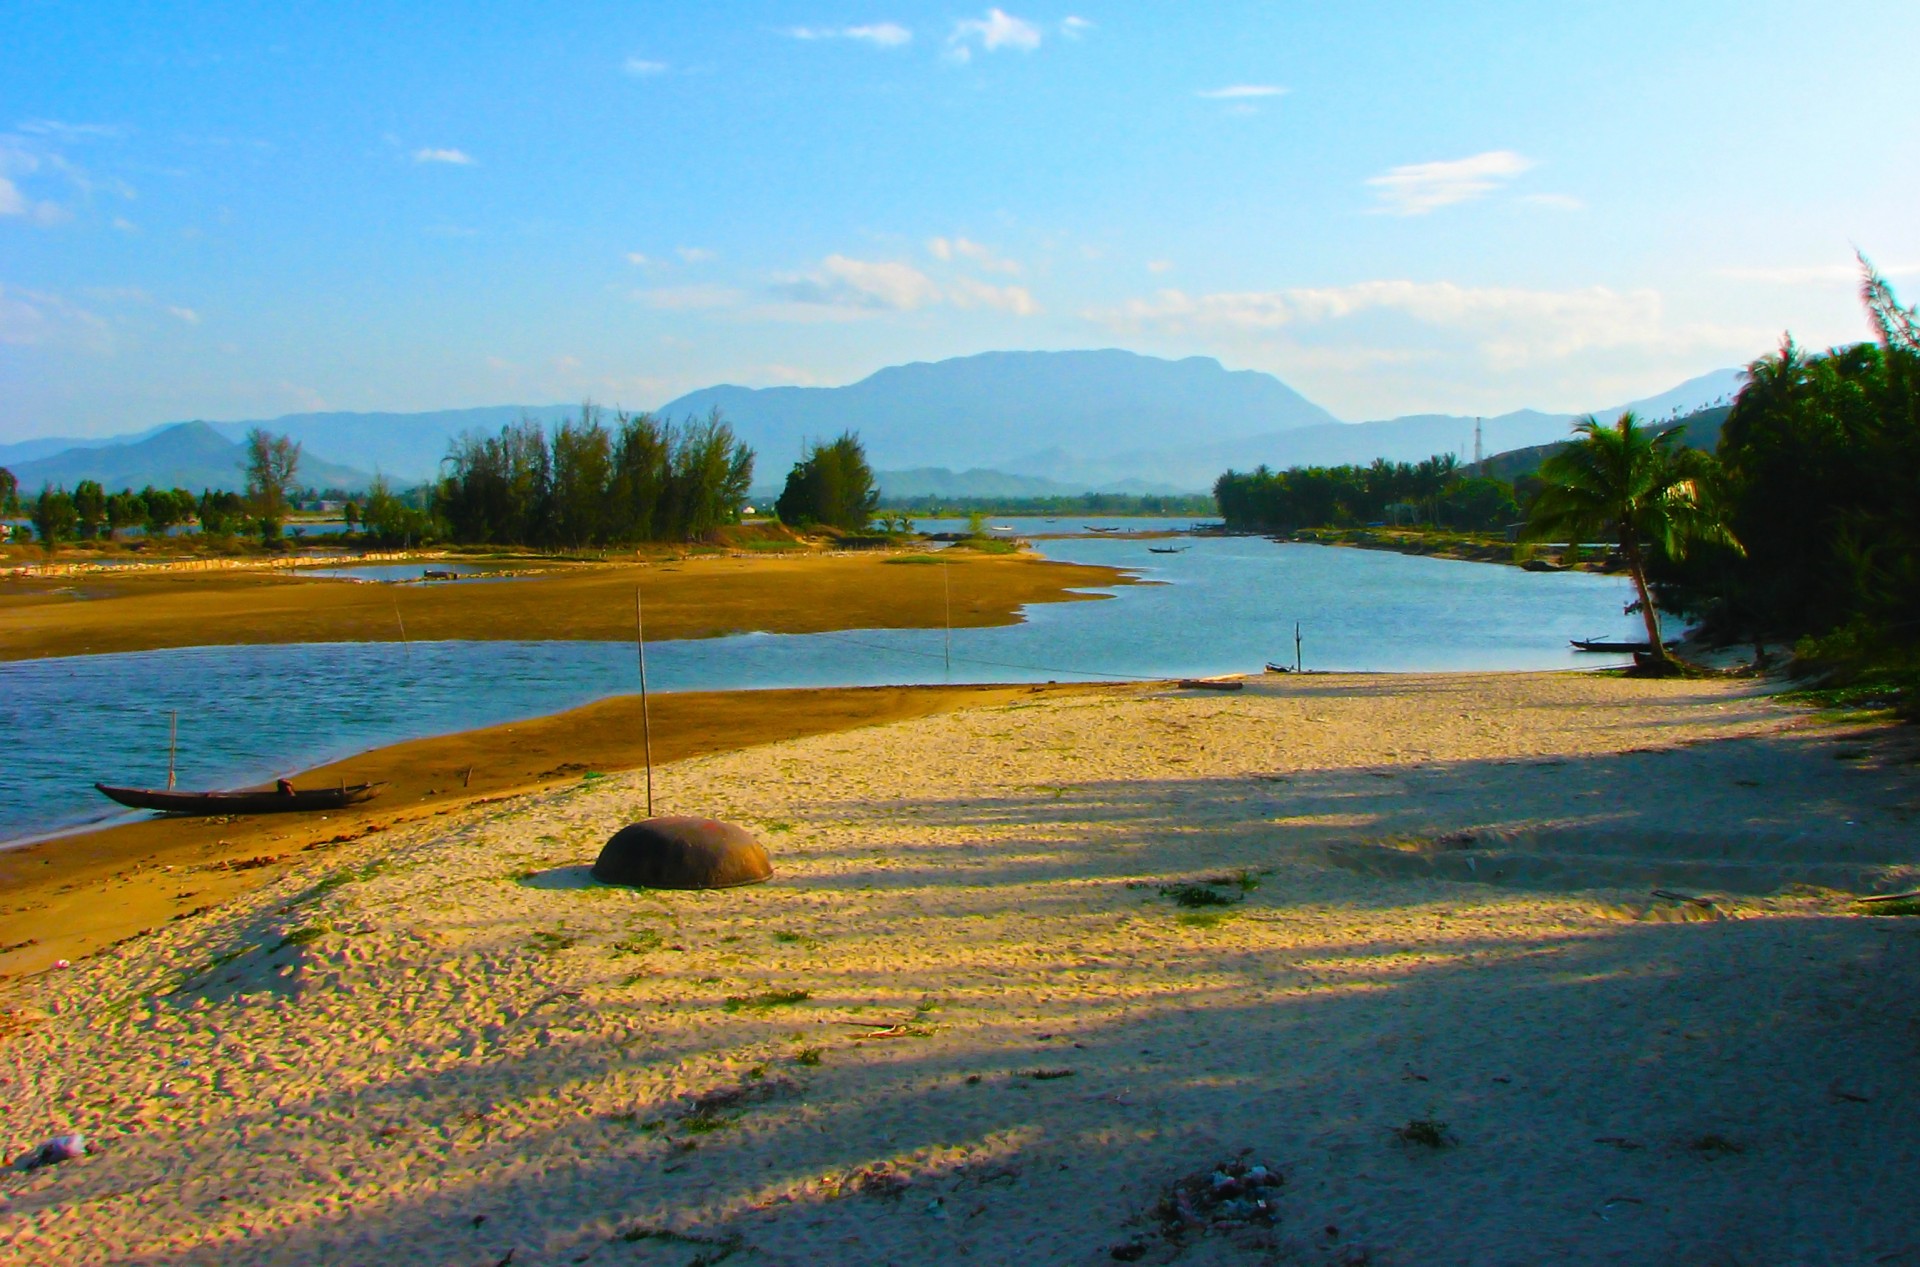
(1166, 549)
(1092, 528)
(281, 800)
(1617, 647)
(1278, 668)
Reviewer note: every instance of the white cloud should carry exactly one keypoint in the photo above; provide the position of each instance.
(458, 158)
(1511, 327)
(71, 132)
(31, 318)
(690, 298)
(1812, 274)
(1418, 188)
(641, 68)
(187, 315)
(125, 225)
(949, 249)
(1241, 92)
(12, 201)
(1073, 28)
(635, 257)
(842, 282)
(998, 30)
(878, 34)
(968, 293)
(694, 254)
(1159, 266)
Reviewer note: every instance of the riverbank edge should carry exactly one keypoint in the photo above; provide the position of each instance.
(72, 895)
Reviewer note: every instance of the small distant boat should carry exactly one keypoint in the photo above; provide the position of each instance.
(1093, 528)
(1278, 668)
(436, 574)
(1616, 646)
(279, 801)
(999, 527)
(1167, 549)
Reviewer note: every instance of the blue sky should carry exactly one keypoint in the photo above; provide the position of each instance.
(232, 211)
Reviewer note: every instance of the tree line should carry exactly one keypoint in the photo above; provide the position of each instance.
(587, 485)
(1435, 491)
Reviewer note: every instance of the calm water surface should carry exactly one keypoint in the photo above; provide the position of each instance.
(1225, 605)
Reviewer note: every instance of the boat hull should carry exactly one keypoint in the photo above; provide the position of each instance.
(208, 803)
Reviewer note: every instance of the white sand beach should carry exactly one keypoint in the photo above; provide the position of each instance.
(968, 1020)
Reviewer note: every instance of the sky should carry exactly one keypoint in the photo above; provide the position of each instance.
(233, 211)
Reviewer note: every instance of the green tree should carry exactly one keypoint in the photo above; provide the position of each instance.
(124, 510)
(270, 463)
(54, 517)
(90, 505)
(9, 493)
(832, 485)
(1626, 484)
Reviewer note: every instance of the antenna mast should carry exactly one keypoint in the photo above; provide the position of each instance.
(1478, 457)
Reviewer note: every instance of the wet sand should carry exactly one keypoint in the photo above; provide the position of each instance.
(699, 597)
(1497, 969)
(72, 895)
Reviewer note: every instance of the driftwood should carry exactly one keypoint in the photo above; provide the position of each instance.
(1671, 896)
(1890, 897)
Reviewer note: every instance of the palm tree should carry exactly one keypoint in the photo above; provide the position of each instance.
(1628, 484)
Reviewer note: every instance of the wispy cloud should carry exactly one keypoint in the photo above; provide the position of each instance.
(1241, 92)
(1418, 188)
(187, 315)
(1073, 28)
(969, 293)
(690, 298)
(997, 30)
(55, 130)
(843, 282)
(1812, 274)
(642, 67)
(639, 258)
(878, 34)
(30, 318)
(1510, 326)
(948, 250)
(694, 254)
(458, 158)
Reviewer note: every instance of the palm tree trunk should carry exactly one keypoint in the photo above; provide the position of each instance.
(1637, 568)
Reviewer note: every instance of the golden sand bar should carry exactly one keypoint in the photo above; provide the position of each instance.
(700, 597)
(968, 1020)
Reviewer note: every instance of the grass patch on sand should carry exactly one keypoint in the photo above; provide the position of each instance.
(1196, 896)
(915, 558)
(644, 942)
(550, 942)
(348, 875)
(808, 1056)
(765, 1000)
(1426, 1132)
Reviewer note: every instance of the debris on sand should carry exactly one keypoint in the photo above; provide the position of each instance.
(1229, 1199)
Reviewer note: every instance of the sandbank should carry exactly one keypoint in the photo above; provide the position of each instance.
(696, 597)
(967, 1021)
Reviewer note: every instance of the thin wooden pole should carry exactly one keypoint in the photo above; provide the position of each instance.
(1296, 646)
(173, 736)
(646, 720)
(406, 646)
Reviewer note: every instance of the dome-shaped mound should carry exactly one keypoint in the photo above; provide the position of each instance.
(682, 852)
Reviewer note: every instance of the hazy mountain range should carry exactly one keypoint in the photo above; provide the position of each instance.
(1000, 424)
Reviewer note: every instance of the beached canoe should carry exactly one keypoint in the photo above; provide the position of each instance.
(1618, 648)
(280, 801)
(1166, 549)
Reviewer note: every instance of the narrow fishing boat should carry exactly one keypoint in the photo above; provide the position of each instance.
(283, 798)
(1166, 549)
(1615, 646)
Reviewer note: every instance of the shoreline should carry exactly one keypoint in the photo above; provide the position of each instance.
(697, 597)
(74, 893)
(1024, 970)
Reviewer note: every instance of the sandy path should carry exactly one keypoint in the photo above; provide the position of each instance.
(450, 1045)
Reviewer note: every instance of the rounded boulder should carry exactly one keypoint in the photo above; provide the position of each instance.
(682, 852)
